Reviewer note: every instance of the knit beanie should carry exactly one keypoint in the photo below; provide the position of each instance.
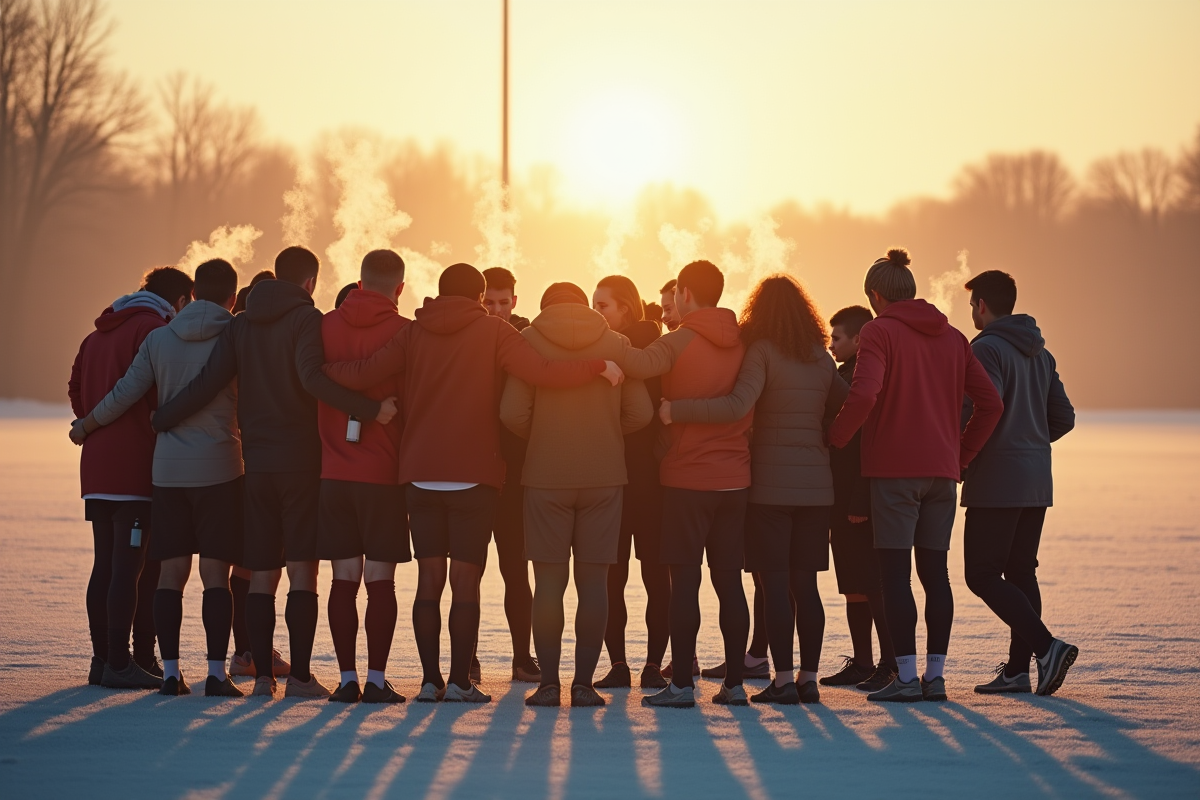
(563, 292)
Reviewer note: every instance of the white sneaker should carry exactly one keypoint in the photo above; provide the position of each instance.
(453, 694)
(430, 693)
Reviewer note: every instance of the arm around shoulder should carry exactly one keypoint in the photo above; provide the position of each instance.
(214, 376)
(136, 381)
(752, 378)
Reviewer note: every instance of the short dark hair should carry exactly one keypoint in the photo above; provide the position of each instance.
(296, 265)
(382, 266)
(461, 280)
(239, 305)
(669, 286)
(703, 280)
(851, 319)
(216, 281)
(891, 277)
(168, 283)
(500, 278)
(343, 293)
(997, 289)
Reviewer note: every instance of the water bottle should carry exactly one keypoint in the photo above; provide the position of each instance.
(353, 429)
(135, 534)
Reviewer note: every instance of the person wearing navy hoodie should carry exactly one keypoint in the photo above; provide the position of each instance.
(115, 479)
(1009, 486)
(274, 349)
(912, 371)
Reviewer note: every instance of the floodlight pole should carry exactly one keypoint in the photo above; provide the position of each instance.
(504, 113)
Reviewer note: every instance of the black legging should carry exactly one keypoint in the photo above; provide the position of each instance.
(685, 620)
(656, 578)
(759, 638)
(112, 592)
(779, 588)
(895, 567)
(591, 614)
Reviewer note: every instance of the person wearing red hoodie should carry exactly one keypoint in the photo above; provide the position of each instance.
(452, 360)
(705, 476)
(912, 371)
(115, 479)
(362, 523)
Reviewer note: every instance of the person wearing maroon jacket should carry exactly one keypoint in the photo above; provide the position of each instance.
(912, 371)
(362, 513)
(115, 479)
(452, 359)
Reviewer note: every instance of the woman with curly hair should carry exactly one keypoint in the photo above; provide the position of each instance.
(792, 384)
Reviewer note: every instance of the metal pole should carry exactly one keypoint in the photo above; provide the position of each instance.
(504, 124)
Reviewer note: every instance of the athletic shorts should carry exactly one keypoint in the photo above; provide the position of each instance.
(854, 561)
(119, 516)
(281, 518)
(455, 525)
(586, 522)
(780, 538)
(199, 519)
(362, 519)
(696, 523)
(913, 512)
(641, 522)
(509, 525)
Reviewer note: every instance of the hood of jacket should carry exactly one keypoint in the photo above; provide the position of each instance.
(921, 316)
(200, 321)
(571, 326)
(363, 308)
(110, 320)
(448, 314)
(717, 325)
(131, 305)
(271, 300)
(1019, 330)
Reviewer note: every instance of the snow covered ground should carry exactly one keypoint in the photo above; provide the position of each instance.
(1120, 576)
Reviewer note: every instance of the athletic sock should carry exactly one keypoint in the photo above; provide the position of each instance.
(217, 613)
(216, 669)
(376, 677)
(783, 678)
(382, 612)
(906, 666)
(464, 629)
(803, 677)
(586, 659)
(934, 664)
(301, 617)
(168, 619)
(239, 588)
(858, 617)
(343, 622)
(427, 628)
(171, 668)
(348, 676)
(260, 628)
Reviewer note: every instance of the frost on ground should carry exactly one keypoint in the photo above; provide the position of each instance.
(1120, 577)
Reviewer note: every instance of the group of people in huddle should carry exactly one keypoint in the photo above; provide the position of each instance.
(250, 429)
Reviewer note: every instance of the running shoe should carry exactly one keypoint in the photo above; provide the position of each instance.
(388, 694)
(731, 696)
(756, 672)
(881, 677)
(430, 693)
(309, 689)
(264, 687)
(618, 677)
(346, 693)
(548, 696)
(218, 688)
(1052, 668)
(934, 690)
(151, 665)
(672, 697)
(809, 692)
(668, 671)
(652, 678)
(131, 677)
(174, 687)
(96, 672)
(586, 697)
(778, 695)
(851, 674)
(527, 671)
(243, 665)
(899, 692)
(456, 694)
(1003, 684)
(477, 671)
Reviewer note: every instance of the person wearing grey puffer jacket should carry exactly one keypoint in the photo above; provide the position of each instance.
(196, 476)
(1008, 487)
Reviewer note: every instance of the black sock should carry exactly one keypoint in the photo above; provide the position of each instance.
(591, 585)
(301, 617)
(776, 590)
(216, 611)
(887, 655)
(168, 619)
(657, 580)
(427, 627)
(260, 627)
(685, 621)
(144, 632)
(734, 620)
(618, 614)
(858, 617)
(464, 629)
(939, 597)
(550, 583)
(239, 587)
(810, 618)
(761, 639)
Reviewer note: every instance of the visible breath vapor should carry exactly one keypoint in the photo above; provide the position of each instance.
(496, 220)
(766, 254)
(944, 287)
(234, 243)
(609, 260)
(300, 219)
(682, 246)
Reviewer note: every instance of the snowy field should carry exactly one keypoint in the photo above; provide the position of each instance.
(1120, 577)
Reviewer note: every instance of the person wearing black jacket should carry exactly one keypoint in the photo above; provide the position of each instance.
(275, 351)
(852, 537)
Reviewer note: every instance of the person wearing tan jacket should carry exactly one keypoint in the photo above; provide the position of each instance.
(573, 476)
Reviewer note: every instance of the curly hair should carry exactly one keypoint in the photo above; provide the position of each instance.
(780, 311)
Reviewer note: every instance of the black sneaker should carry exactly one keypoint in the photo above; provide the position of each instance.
(618, 677)
(131, 677)
(851, 674)
(96, 671)
(585, 697)
(219, 688)
(652, 678)
(778, 695)
(809, 693)
(476, 671)
(545, 696)
(174, 687)
(934, 690)
(346, 693)
(881, 677)
(1003, 684)
(388, 694)
(152, 665)
(1052, 669)
(527, 670)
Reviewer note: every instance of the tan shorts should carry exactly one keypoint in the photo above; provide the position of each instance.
(584, 521)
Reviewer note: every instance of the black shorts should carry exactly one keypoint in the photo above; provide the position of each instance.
(854, 560)
(455, 524)
(696, 523)
(115, 518)
(362, 519)
(641, 522)
(199, 519)
(281, 518)
(509, 524)
(786, 538)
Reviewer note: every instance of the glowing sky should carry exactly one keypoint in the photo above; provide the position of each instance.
(856, 103)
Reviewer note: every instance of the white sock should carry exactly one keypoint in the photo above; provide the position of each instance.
(906, 666)
(803, 677)
(348, 677)
(216, 669)
(753, 661)
(782, 679)
(375, 676)
(934, 664)
(171, 668)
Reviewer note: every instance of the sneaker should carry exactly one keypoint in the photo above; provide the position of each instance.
(652, 678)
(131, 677)
(881, 677)
(1052, 669)
(672, 697)
(851, 674)
(308, 689)
(618, 677)
(175, 687)
(430, 693)
(586, 697)
(761, 671)
(808, 692)
(934, 690)
(545, 696)
(477, 671)
(218, 688)
(387, 694)
(527, 671)
(264, 687)
(346, 693)
(153, 666)
(1002, 684)
(731, 696)
(899, 692)
(456, 694)
(712, 672)
(242, 665)
(96, 671)
(778, 695)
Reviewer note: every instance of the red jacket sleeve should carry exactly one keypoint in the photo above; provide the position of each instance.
(518, 358)
(75, 386)
(988, 408)
(869, 370)
(361, 375)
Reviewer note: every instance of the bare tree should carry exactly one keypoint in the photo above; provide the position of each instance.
(1188, 170)
(1140, 184)
(1034, 184)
